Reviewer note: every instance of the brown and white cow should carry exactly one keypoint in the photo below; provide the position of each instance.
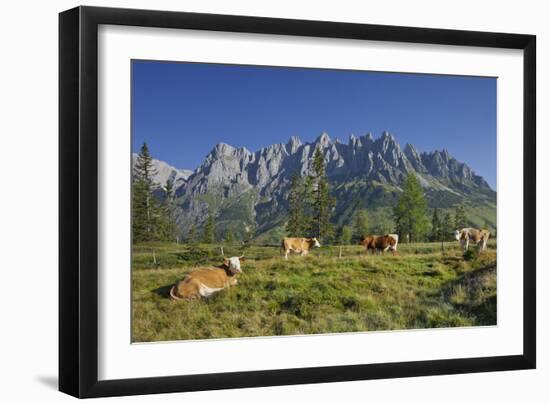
(299, 245)
(477, 236)
(384, 243)
(396, 238)
(204, 282)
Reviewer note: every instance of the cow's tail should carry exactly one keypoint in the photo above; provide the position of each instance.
(173, 294)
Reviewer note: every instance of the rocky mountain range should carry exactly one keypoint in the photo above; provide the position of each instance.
(247, 191)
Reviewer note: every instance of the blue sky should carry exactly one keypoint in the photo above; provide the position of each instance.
(183, 109)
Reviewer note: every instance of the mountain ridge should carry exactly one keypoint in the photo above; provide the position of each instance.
(246, 189)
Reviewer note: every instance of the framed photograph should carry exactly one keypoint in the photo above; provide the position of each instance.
(251, 201)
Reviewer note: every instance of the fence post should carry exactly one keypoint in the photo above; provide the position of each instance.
(221, 249)
(340, 253)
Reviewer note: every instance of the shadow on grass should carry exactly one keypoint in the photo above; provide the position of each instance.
(163, 291)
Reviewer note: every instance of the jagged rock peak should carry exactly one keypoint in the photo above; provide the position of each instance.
(354, 141)
(323, 139)
(411, 152)
(368, 136)
(293, 144)
(224, 149)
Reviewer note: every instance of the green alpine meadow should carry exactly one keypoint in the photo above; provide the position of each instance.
(420, 287)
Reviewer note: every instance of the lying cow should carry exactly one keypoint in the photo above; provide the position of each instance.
(477, 236)
(299, 245)
(384, 243)
(204, 282)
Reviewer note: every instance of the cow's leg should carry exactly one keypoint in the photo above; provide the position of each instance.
(286, 254)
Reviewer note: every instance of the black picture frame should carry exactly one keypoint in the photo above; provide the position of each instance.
(78, 201)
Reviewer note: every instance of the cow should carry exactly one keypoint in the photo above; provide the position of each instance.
(384, 243)
(396, 238)
(204, 282)
(477, 236)
(299, 245)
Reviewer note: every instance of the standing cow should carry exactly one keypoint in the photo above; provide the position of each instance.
(477, 236)
(299, 245)
(384, 243)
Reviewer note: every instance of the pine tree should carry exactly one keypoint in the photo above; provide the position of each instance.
(346, 233)
(169, 212)
(437, 233)
(144, 169)
(295, 225)
(447, 227)
(229, 237)
(460, 217)
(410, 211)
(191, 237)
(209, 231)
(323, 203)
(307, 227)
(144, 205)
(361, 225)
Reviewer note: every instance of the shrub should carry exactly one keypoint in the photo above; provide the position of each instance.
(469, 254)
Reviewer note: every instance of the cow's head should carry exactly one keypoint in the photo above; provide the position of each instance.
(457, 235)
(315, 243)
(234, 264)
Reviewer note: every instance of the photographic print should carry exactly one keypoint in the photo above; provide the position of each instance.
(271, 201)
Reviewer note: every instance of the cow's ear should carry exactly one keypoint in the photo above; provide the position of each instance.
(241, 258)
(226, 261)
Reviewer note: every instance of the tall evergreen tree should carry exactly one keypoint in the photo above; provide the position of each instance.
(208, 235)
(460, 217)
(191, 237)
(307, 227)
(323, 203)
(437, 233)
(144, 205)
(410, 211)
(346, 234)
(169, 212)
(295, 223)
(144, 169)
(447, 227)
(229, 237)
(361, 225)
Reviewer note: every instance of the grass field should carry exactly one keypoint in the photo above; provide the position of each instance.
(420, 287)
